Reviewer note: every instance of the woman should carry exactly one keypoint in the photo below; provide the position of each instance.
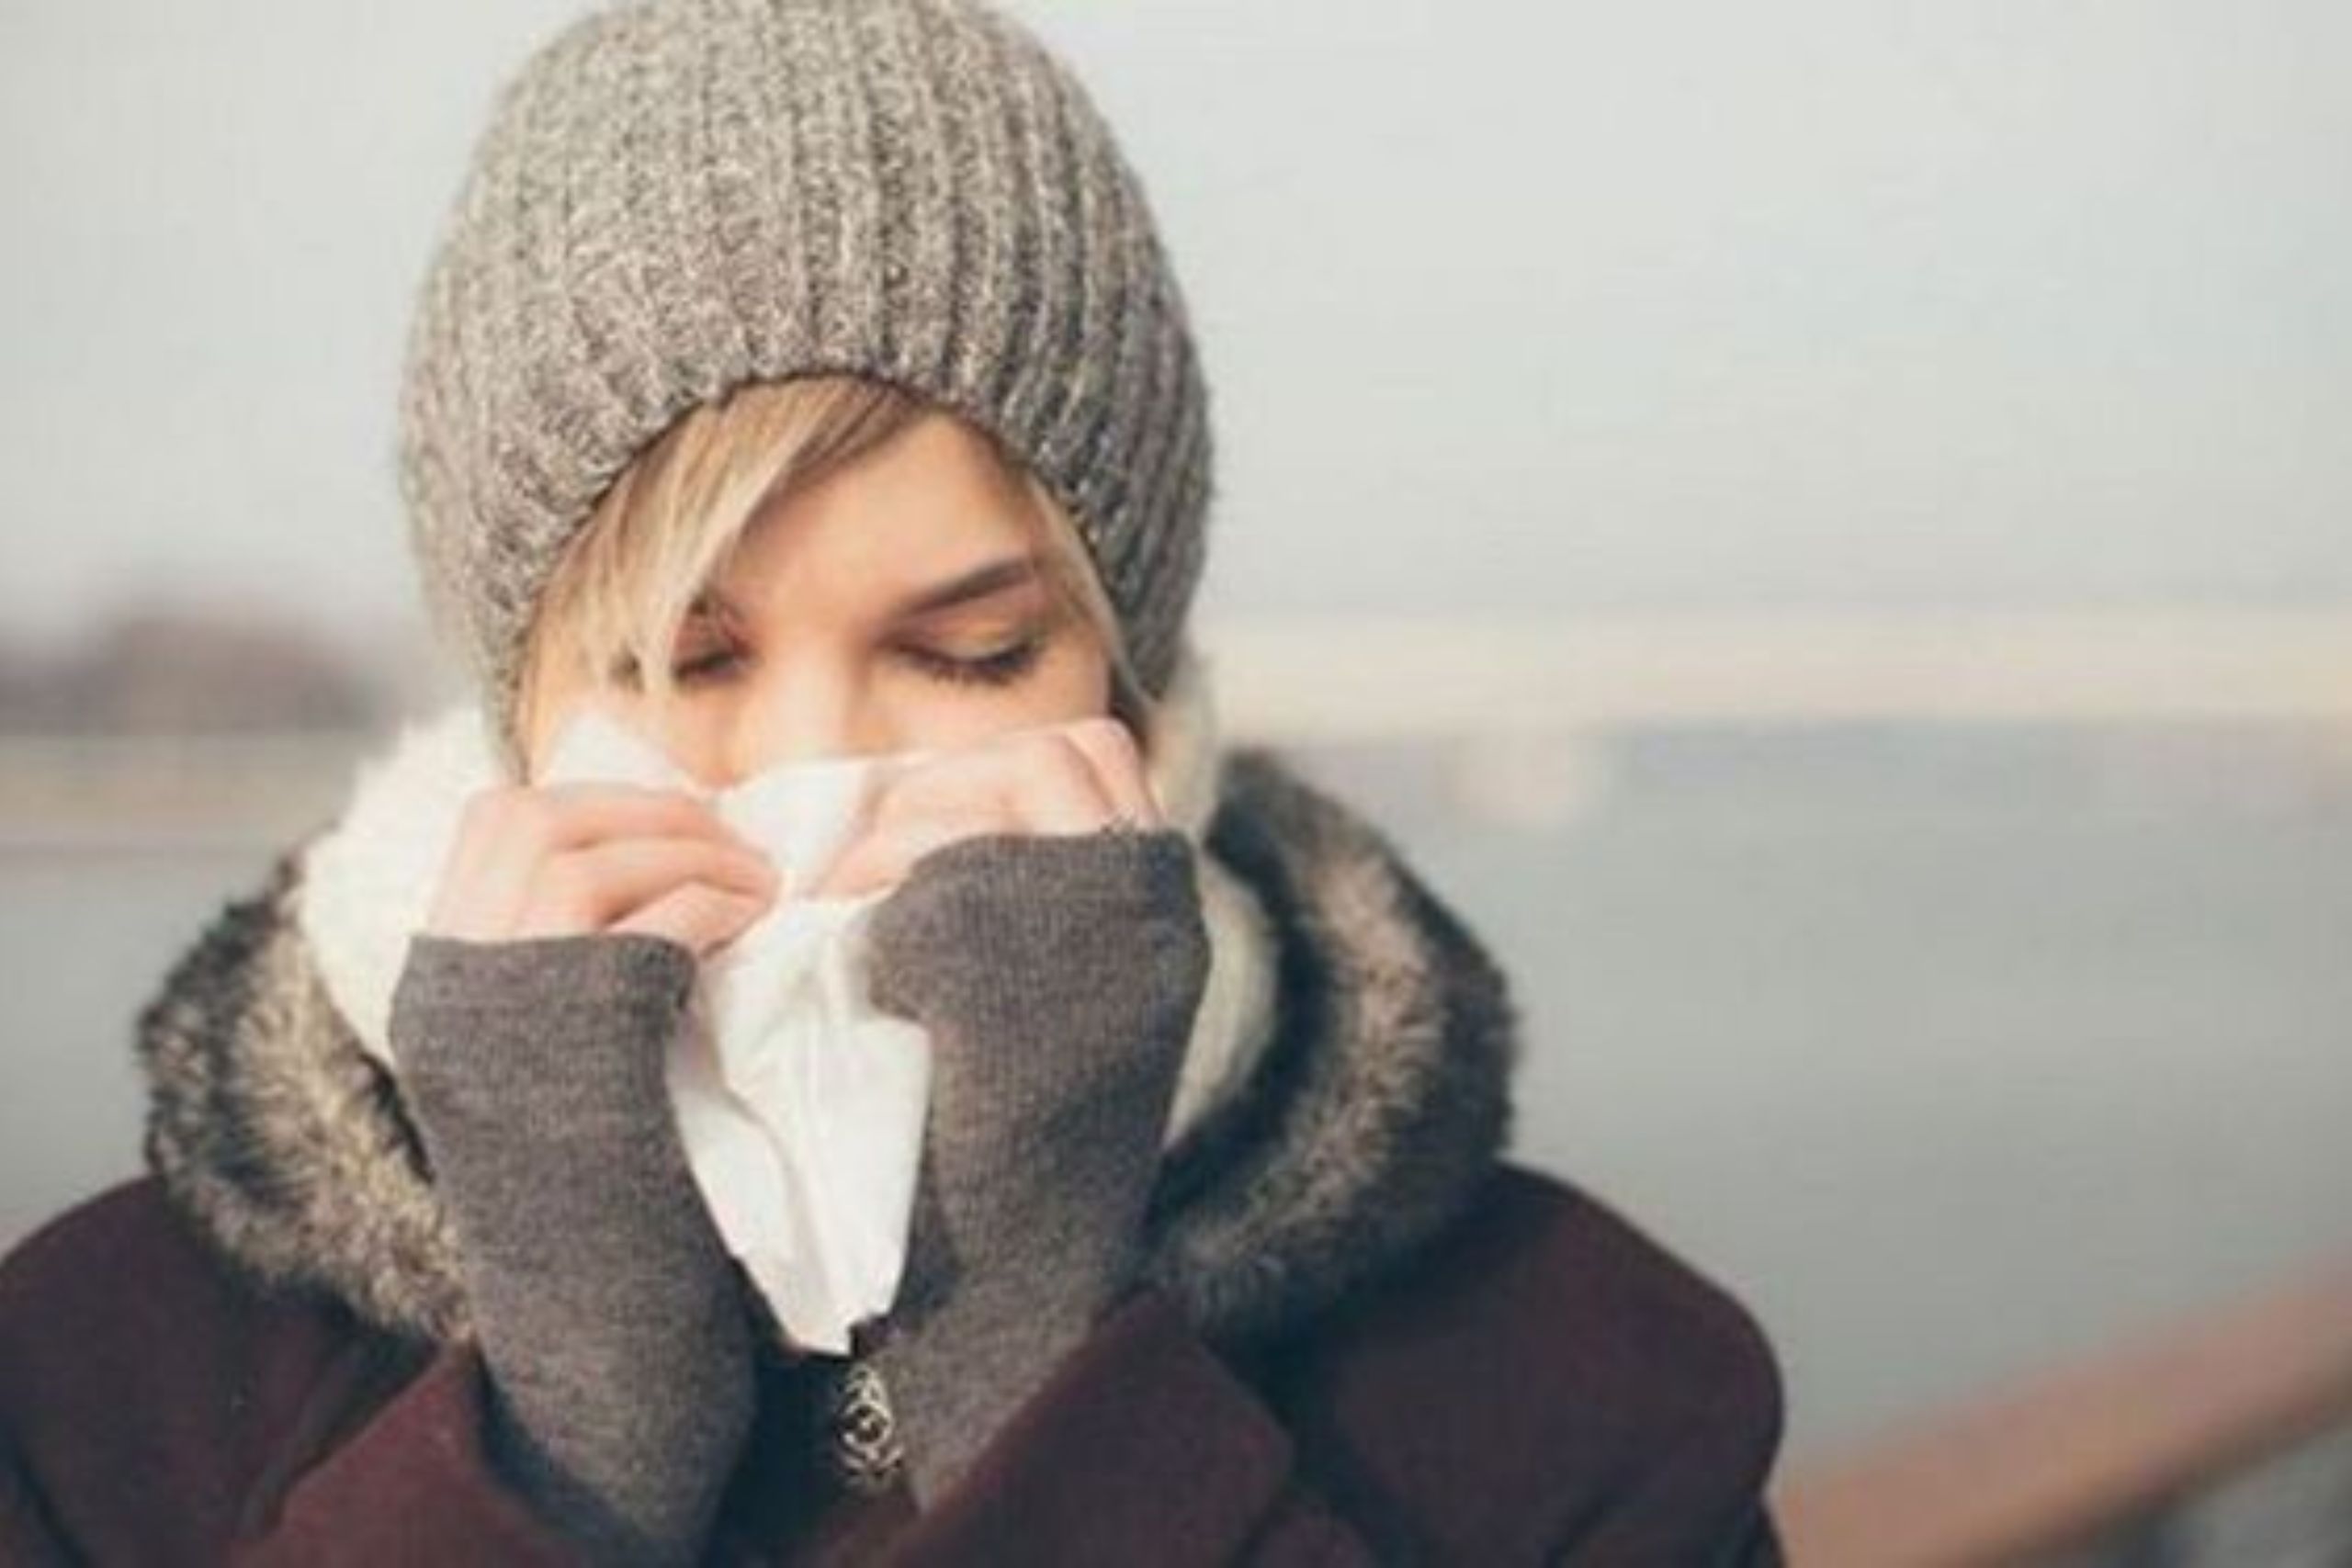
(803, 378)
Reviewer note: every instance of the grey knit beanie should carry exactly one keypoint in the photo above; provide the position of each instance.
(674, 197)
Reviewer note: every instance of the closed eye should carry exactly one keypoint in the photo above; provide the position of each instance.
(1001, 667)
(705, 668)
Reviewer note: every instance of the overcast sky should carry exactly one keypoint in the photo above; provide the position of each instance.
(1524, 306)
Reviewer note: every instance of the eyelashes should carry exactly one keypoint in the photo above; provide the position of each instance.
(998, 668)
(1001, 668)
(707, 667)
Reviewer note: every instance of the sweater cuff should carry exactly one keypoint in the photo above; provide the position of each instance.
(528, 974)
(1141, 1447)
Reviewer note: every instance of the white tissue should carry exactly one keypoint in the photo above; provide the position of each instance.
(800, 1103)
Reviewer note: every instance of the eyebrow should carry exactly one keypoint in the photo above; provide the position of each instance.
(992, 577)
(978, 583)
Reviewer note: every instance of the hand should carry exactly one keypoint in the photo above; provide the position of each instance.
(1057, 978)
(572, 858)
(609, 1317)
(1069, 778)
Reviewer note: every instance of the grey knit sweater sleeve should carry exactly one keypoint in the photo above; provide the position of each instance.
(1058, 976)
(610, 1318)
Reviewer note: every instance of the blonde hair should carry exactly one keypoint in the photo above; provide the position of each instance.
(671, 522)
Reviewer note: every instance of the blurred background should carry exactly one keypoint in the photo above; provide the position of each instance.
(1825, 530)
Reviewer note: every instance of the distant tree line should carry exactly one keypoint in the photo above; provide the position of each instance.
(170, 670)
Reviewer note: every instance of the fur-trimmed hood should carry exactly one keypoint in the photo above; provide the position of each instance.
(1366, 1080)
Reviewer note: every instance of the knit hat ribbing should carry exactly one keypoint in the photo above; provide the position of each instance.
(676, 197)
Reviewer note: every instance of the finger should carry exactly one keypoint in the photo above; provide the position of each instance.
(505, 834)
(1059, 791)
(1119, 768)
(974, 778)
(585, 811)
(886, 854)
(1033, 781)
(586, 890)
(704, 917)
(960, 793)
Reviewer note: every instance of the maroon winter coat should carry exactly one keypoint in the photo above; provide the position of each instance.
(1364, 1336)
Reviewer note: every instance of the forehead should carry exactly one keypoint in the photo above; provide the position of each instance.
(931, 501)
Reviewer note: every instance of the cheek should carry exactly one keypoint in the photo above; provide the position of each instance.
(693, 734)
(688, 737)
(1072, 680)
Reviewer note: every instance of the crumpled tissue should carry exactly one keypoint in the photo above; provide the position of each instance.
(799, 1102)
